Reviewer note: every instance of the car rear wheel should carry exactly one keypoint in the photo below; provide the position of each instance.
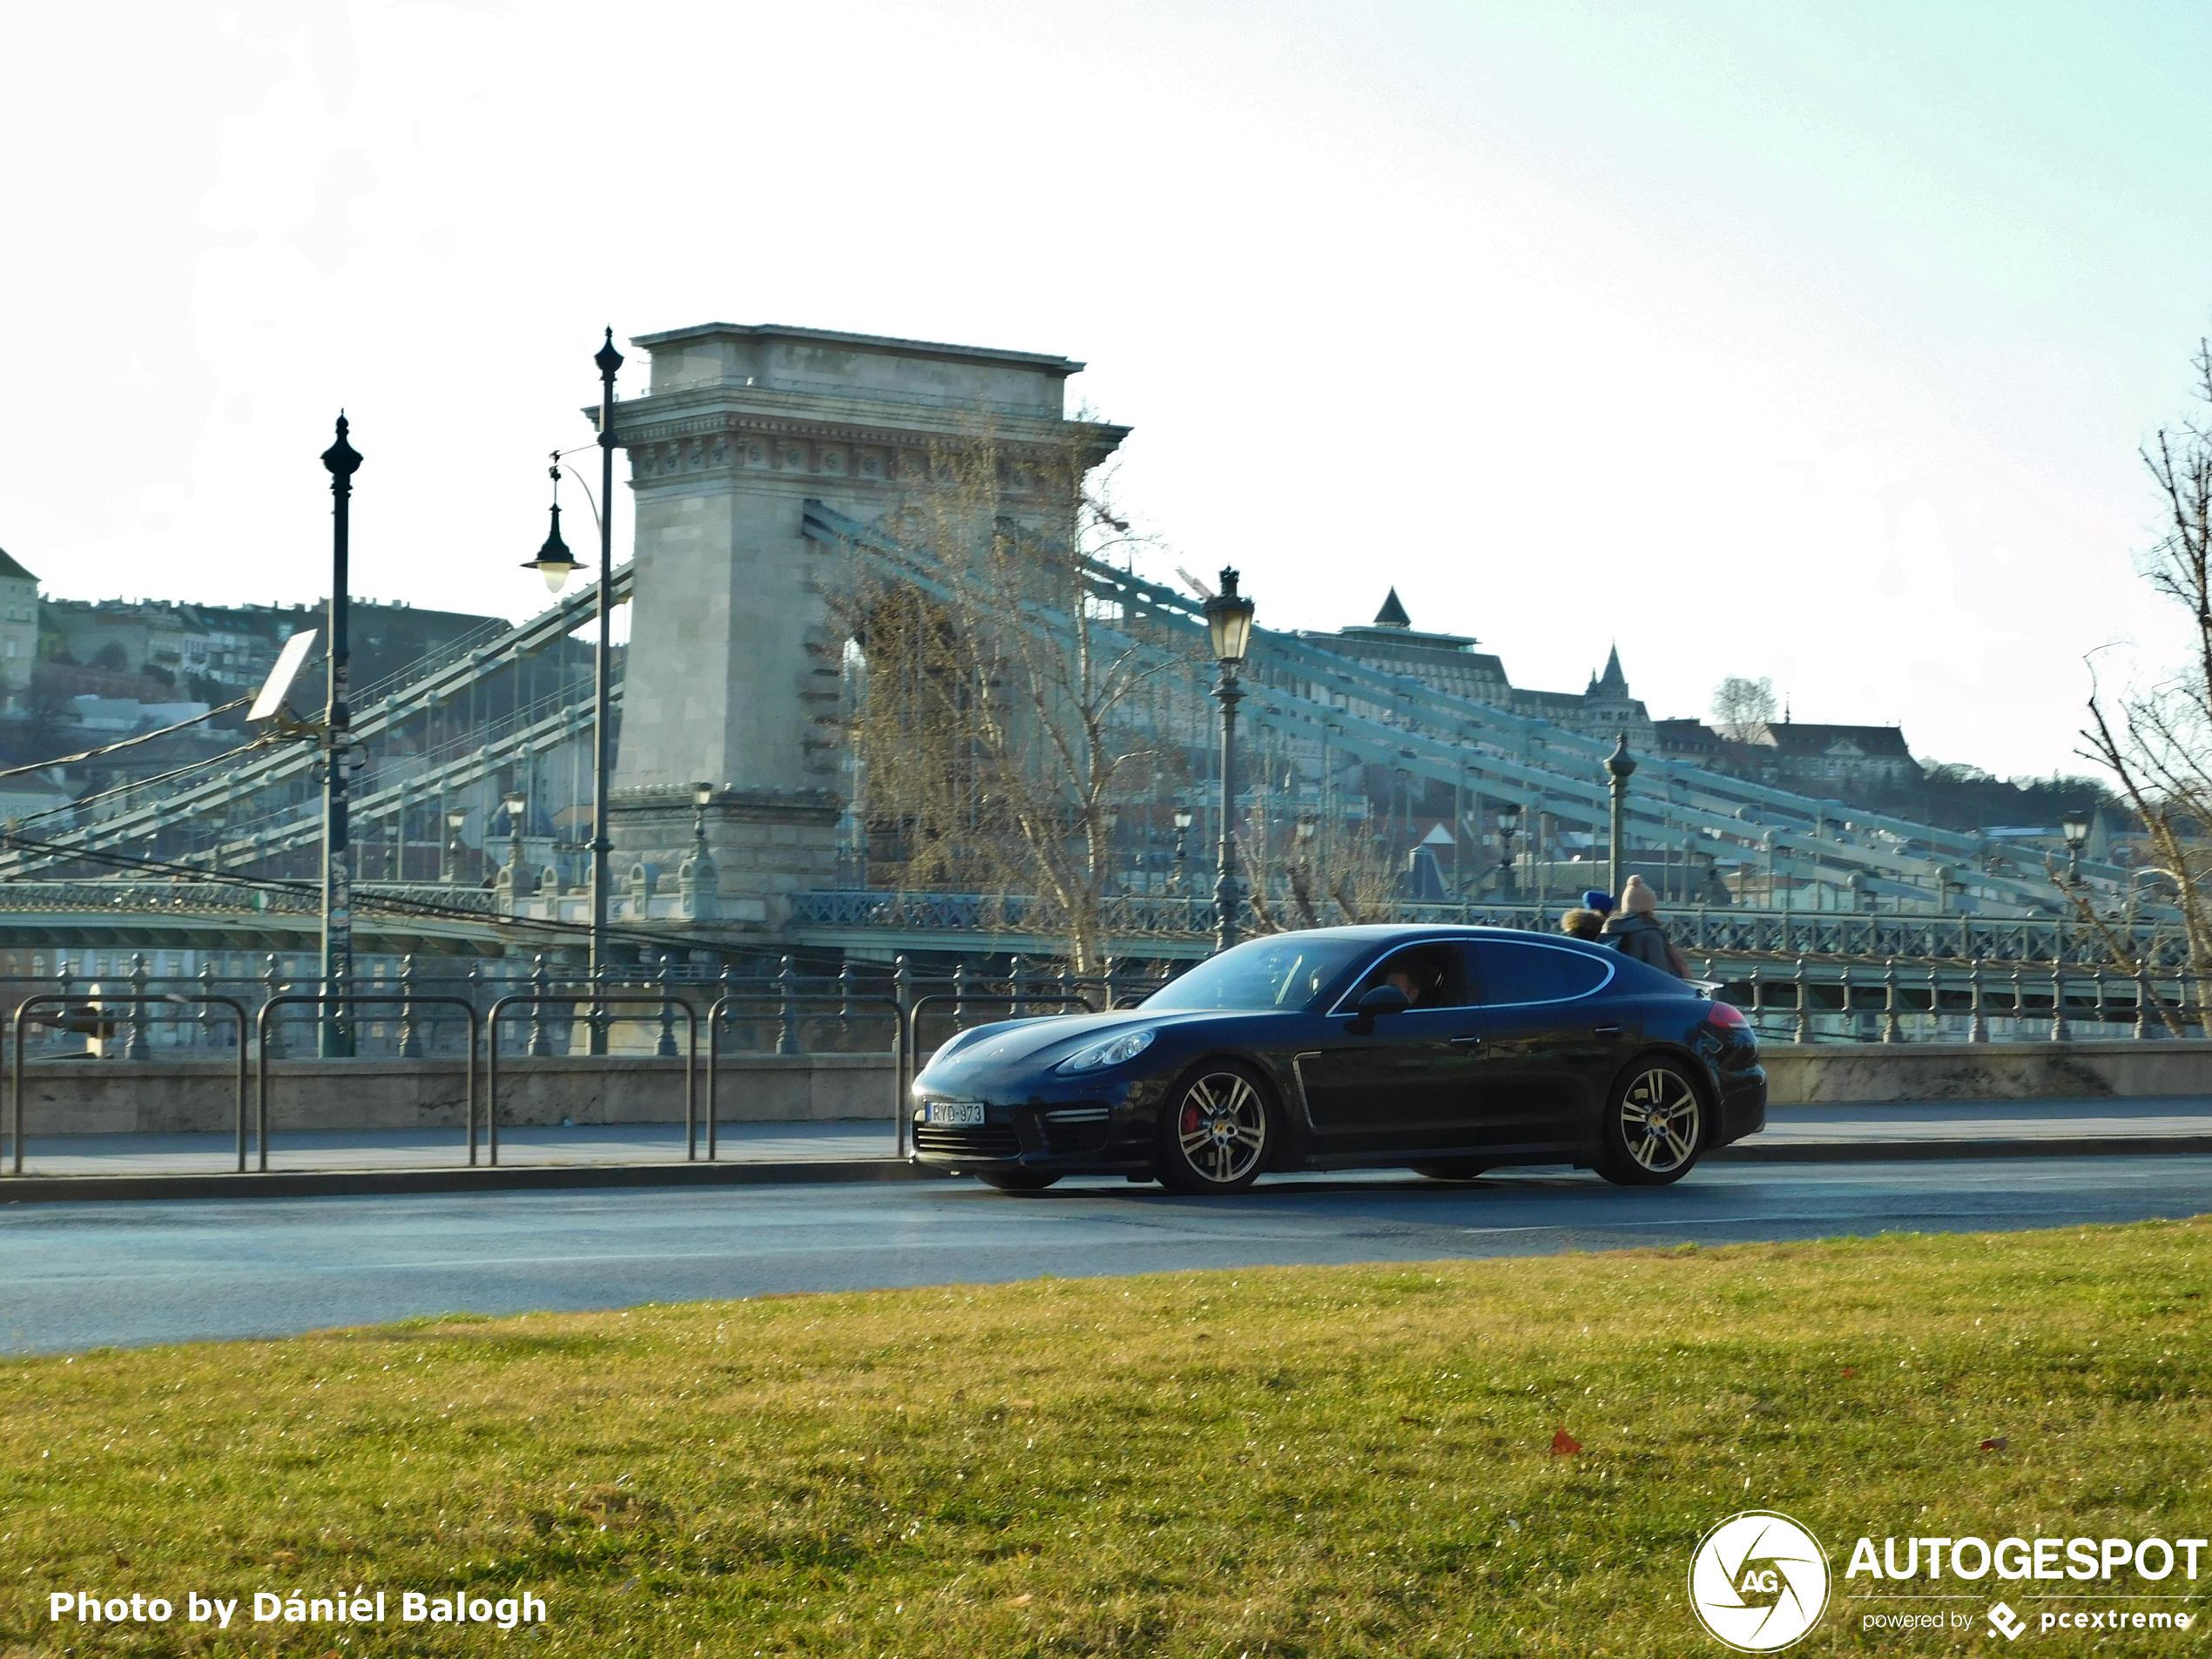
(1654, 1126)
(1015, 1180)
(1217, 1130)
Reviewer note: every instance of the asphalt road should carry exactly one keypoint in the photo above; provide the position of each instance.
(81, 1276)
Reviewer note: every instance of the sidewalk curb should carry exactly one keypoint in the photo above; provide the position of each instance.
(317, 1183)
(313, 1183)
(2128, 1146)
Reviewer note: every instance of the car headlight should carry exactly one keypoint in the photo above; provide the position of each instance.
(1112, 1052)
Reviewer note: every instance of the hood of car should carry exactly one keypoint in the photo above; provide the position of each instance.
(1024, 1043)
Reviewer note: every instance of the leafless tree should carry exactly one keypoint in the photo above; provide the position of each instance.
(2156, 742)
(1740, 704)
(1329, 874)
(1008, 714)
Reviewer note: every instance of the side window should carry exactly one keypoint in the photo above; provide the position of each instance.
(1507, 972)
(1435, 976)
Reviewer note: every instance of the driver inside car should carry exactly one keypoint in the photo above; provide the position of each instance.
(1431, 976)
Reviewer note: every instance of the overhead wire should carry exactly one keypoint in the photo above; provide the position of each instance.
(132, 742)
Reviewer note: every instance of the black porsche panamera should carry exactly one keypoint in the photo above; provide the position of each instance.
(1447, 1050)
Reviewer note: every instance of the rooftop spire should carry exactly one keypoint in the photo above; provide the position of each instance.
(1392, 614)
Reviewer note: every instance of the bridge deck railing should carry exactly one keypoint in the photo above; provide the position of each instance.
(1173, 926)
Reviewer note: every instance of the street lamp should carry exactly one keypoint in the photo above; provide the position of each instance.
(1182, 821)
(1509, 827)
(1229, 618)
(516, 805)
(337, 1026)
(555, 563)
(2075, 827)
(1618, 769)
(456, 817)
(697, 877)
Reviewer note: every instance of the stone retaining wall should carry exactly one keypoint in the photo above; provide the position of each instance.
(1831, 1074)
(94, 1096)
(153, 1097)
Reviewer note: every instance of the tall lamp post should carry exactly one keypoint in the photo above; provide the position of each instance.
(1183, 818)
(516, 805)
(1619, 768)
(1509, 827)
(337, 1026)
(2075, 827)
(557, 565)
(456, 819)
(1229, 618)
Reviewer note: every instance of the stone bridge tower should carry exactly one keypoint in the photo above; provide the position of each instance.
(734, 667)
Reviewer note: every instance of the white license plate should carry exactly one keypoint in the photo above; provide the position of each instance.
(956, 1113)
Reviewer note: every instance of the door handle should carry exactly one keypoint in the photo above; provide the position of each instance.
(1606, 1031)
(1466, 1042)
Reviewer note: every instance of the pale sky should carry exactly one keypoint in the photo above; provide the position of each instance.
(1815, 342)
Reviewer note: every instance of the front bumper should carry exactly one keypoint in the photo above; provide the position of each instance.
(1083, 1129)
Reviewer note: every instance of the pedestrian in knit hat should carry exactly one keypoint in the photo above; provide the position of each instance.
(1635, 931)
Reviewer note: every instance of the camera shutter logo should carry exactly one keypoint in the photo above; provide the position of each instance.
(1758, 1581)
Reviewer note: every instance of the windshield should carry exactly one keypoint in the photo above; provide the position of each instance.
(1286, 972)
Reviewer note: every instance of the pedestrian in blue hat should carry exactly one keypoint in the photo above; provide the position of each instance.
(1588, 921)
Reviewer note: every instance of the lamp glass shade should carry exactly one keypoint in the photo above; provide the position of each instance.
(1229, 618)
(1509, 818)
(702, 794)
(455, 819)
(554, 561)
(2075, 828)
(1182, 818)
(514, 805)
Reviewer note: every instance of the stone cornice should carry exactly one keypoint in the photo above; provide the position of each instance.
(727, 406)
(1046, 361)
(694, 432)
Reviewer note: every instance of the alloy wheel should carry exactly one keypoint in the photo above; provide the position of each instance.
(1221, 1126)
(1659, 1120)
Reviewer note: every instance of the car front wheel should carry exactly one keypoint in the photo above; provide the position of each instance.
(1654, 1126)
(1216, 1130)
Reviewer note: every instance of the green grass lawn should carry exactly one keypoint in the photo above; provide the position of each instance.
(1288, 1461)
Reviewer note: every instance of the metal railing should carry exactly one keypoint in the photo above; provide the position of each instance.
(1173, 924)
(1979, 1002)
(347, 1000)
(788, 1038)
(599, 1000)
(97, 1007)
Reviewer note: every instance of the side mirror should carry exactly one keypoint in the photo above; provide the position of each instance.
(1382, 999)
